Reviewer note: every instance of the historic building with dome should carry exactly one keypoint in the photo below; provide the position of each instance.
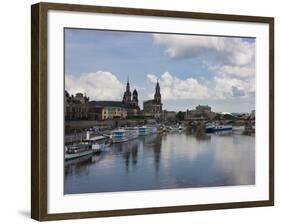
(79, 107)
(128, 107)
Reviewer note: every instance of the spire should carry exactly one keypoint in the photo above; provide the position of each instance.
(157, 88)
(135, 92)
(157, 95)
(127, 93)
(128, 85)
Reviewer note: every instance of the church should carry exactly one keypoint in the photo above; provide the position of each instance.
(128, 107)
(131, 103)
(153, 107)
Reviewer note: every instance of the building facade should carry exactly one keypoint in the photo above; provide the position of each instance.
(169, 115)
(200, 112)
(107, 110)
(76, 107)
(153, 107)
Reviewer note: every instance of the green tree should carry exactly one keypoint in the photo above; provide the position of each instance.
(180, 115)
(228, 117)
(217, 117)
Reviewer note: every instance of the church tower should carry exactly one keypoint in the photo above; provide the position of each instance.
(157, 95)
(135, 101)
(127, 94)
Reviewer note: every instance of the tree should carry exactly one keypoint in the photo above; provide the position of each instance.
(228, 117)
(180, 115)
(217, 117)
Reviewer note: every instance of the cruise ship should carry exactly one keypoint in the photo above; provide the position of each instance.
(144, 130)
(124, 135)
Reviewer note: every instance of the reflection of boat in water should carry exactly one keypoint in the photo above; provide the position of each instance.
(147, 130)
(214, 127)
(85, 160)
(203, 137)
(124, 135)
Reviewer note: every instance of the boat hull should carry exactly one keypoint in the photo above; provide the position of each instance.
(215, 129)
(124, 135)
(69, 156)
(143, 131)
(100, 147)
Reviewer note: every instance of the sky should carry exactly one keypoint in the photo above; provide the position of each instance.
(191, 69)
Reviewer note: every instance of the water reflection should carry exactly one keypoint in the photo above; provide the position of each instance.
(174, 160)
(129, 151)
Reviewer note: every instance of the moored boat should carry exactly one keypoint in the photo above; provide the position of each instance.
(145, 130)
(78, 150)
(124, 135)
(133, 132)
(99, 143)
(214, 127)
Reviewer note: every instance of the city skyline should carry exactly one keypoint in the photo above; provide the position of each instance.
(191, 70)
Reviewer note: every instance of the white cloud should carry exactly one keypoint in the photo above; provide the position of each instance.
(231, 60)
(98, 86)
(240, 72)
(237, 92)
(219, 88)
(225, 85)
(173, 88)
(234, 50)
(229, 80)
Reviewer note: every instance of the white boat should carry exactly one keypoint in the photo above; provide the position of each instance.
(99, 143)
(145, 130)
(161, 129)
(124, 135)
(177, 128)
(78, 150)
(133, 132)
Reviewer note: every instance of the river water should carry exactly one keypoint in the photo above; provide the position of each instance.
(165, 161)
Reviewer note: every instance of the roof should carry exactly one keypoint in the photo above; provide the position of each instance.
(153, 101)
(149, 101)
(111, 104)
(107, 104)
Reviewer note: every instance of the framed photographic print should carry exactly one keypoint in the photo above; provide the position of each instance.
(139, 111)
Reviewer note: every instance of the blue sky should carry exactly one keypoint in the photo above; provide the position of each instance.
(191, 69)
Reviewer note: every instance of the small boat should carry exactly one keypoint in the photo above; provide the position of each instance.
(145, 130)
(124, 135)
(214, 127)
(78, 150)
(177, 128)
(162, 129)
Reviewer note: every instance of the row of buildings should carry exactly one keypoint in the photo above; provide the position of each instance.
(79, 107)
